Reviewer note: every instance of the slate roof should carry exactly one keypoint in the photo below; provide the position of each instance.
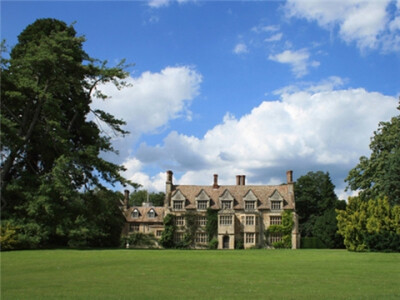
(263, 194)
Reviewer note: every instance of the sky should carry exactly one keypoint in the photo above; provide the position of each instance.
(238, 87)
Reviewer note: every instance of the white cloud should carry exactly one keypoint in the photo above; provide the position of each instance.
(319, 128)
(152, 100)
(299, 61)
(158, 3)
(240, 48)
(263, 28)
(274, 38)
(370, 24)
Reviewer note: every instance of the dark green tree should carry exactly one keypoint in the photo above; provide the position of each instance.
(315, 204)
(379, 175)
(50, 148)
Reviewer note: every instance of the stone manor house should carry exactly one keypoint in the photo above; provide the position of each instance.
(244, 211)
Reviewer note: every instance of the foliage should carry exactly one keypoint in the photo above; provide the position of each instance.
(139, 239)
(311, 243)
(379, 175)
(8, 236)
(239, 242)
(372, 225)
(50, 145)
(213, 244)
(191, 228)
(167, 237)
(316, 202)
(285, 229)
(313, 274)
(140, 196)
(212, 223)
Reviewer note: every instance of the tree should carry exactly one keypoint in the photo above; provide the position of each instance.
(315, 204)
(370, 225)
(379, 175)
(50, 148)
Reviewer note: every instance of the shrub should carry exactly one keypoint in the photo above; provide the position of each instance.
(8, 236)
(312, 243)
(213, 244)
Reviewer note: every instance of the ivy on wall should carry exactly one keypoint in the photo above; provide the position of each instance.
(285, 229)
(167, 237)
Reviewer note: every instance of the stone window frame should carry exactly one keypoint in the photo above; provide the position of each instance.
(178, 204)
(275, 220)
(201, 237)
(250, 238)
(135, 213)
(250, 220)
(180, 220)
(151, 213)
(201, 220)
(225, 220)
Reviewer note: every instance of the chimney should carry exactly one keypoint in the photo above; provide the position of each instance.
(289, 176)
(126, 199)
(168, 188)
(237, 179)
(243, 181)
(215, 185)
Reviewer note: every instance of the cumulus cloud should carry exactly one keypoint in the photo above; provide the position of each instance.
(320, 128)
(274, 38)
(299, 61)
(240, 48)
(370, 24)
(152, 100)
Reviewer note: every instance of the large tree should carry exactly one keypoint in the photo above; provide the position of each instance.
(379, 175)
(50, 146)
(316, 202)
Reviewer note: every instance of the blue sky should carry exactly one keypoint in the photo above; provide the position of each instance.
(230, 87)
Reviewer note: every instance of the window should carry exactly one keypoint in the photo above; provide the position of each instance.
(202, 204)
(159, 233)
(135, 214)
(275, 220)
(134, 227)
(250, 238)
(249, 220)
(226, 204)
(180, 221)
(201, 237)
(250, 205)
(151, 213)
(275, 205)
(225, 220)
(201, 220)
(178, 205)
(275, 237)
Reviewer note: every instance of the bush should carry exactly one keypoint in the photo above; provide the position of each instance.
(386, 241)
(213, 244)
(140, 240)
(8, 236)
(239, 242)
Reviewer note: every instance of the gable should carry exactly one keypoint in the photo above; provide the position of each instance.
(202, 196)
(226, 196)
(250, 196)
(276, 196)
(178, 196)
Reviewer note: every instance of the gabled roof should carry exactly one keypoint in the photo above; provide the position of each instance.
(143, 214)
(236, 192)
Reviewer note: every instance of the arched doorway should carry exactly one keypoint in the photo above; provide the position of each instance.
(225, 242)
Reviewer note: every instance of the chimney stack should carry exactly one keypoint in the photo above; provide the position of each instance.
(215, 185)
(240, 180)
(126, 199)
(289, 176)
(168, 189)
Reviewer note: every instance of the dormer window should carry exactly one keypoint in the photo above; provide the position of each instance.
(202, 200)
(250, 205)
(178, 201)
(276, 201)
(226, 204)
(276, 205)
(151, 213)
(202, 204)
(135, 213)
(178, 205)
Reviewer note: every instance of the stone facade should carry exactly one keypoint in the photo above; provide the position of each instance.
(244, 211)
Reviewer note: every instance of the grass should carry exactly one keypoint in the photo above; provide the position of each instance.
(180, 274)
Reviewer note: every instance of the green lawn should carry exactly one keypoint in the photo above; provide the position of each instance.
(180, 274)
